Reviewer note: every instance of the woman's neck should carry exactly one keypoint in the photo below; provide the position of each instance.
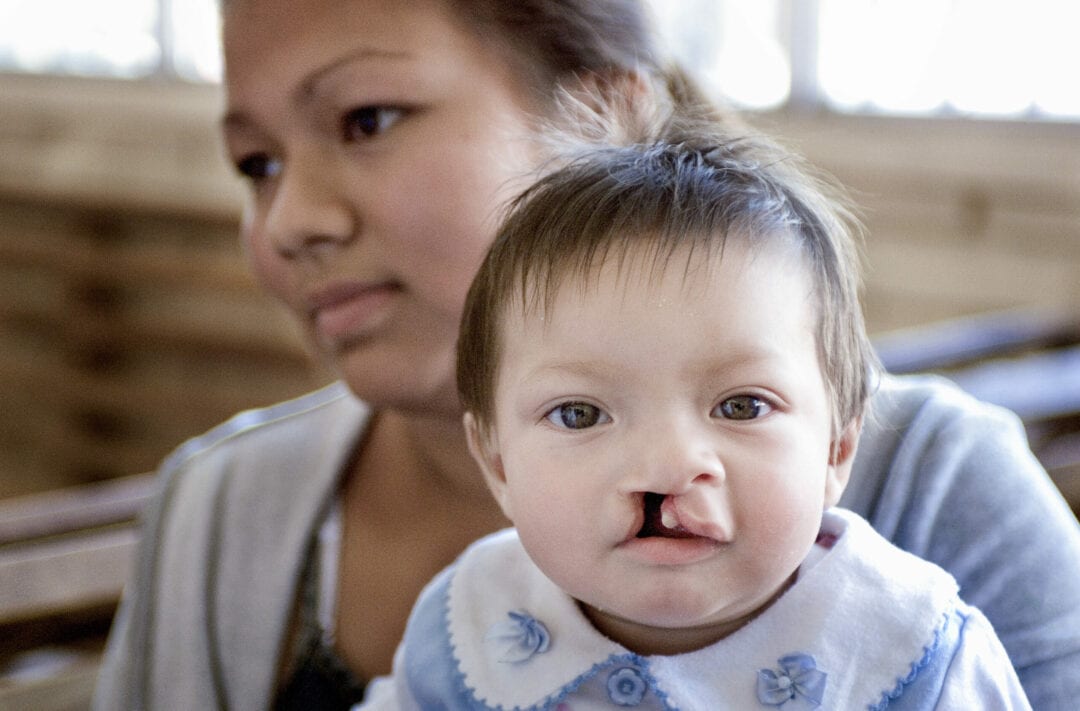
(422, 458)
(410, 504)
(434, 446)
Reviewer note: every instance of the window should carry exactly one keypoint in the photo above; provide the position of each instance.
(737, 47)
(1015, 58)
(1012, 58)
(127, 39)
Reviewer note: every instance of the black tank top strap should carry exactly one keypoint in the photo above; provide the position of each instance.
(320, 678)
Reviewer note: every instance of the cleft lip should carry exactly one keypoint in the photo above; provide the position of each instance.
(682, 516)
(657, 523)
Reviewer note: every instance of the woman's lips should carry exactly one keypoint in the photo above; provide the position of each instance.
(347, 311)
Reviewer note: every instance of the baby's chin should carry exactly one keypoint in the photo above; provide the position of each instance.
(674, 624)
(658, 631)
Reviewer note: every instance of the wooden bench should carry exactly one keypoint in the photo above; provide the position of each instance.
(64, 556)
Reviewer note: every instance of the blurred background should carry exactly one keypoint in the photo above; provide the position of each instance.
(128, 322)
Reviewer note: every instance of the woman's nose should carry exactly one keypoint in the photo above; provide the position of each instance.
(309, 213)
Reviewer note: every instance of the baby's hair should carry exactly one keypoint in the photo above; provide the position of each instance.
(694, 187)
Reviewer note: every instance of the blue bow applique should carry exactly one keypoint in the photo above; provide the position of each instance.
(516, 640)
(797, 680)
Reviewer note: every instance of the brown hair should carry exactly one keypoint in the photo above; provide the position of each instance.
(552, 43)
(694, 187)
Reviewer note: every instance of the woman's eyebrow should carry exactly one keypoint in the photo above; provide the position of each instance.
(310, 85)
(239, 119)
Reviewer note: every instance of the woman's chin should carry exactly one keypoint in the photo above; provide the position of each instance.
(401, 384)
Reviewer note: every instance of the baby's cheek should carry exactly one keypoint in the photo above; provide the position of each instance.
(783, 528)
(562, 557)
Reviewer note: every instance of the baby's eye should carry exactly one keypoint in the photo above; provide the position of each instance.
(257, 167)
(577, 416)
(368, 121)
(742, 407)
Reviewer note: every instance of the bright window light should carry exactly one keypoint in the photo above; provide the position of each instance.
(1055, 84)
(998, 58)
(196, 35)
(972, 57)
(103, 37)
(733, 46)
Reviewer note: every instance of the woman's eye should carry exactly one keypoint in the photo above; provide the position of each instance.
(368, 121)
(577, 416)
(742, 407)
(258, 167)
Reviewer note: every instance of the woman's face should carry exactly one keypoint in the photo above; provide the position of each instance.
(380, 140)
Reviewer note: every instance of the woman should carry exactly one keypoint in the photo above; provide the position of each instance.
(380, 138)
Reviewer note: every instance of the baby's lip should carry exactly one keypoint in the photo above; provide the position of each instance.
(695, 514)
(655, 522)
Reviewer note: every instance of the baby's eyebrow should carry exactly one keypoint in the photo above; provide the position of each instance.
(741, 358)
(579, 368)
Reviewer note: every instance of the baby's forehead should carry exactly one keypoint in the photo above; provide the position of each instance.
(720, 314)
(640, 263)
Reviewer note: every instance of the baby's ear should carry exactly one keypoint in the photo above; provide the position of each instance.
(841, 458)
(484, 447)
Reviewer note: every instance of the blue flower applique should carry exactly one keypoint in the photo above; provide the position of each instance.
(625, 687)
(519, 638)
(798, 680)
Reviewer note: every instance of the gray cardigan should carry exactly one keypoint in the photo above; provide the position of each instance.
(203, 620)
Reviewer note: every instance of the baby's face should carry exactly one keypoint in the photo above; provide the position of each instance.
(662, 443)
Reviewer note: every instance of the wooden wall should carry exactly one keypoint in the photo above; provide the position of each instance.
(964, 217)
(128, 321)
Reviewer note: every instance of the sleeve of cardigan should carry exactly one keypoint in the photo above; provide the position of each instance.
(121, 678)
(114, 677)
(954, 481)
(979, 676)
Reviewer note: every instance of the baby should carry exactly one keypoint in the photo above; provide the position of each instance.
(664, 368)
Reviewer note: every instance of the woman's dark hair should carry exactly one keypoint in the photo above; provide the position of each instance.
(554, 42)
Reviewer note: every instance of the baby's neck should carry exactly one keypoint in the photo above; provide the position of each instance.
(668, 641)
